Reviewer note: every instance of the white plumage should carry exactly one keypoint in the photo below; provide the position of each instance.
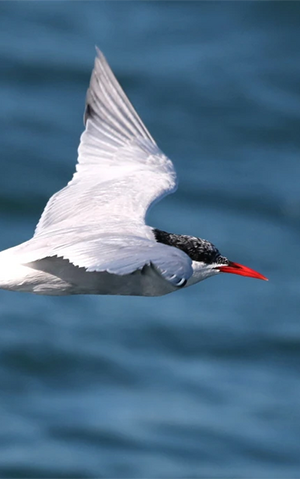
(92, 236)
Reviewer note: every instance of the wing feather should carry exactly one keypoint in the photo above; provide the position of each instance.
(98, 220)
(120, 172)
(119, 254)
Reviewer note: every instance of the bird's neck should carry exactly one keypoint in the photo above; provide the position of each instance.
(202, 253)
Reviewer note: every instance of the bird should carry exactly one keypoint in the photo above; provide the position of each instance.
(92, 237)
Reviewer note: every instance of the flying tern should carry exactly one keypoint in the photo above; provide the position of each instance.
(92, 237)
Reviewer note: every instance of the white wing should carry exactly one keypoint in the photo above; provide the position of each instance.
(98, 220)
(121, 255)
(120, 170)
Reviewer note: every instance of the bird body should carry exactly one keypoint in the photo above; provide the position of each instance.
(92, 237)
(58, 276)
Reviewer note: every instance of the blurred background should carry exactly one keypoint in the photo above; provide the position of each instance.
(204, 382)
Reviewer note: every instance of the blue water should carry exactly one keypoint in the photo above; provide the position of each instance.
(203, 383)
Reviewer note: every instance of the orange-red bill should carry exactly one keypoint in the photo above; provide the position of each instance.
(237, 268)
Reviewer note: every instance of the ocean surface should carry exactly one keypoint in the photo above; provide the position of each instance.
(204, 383)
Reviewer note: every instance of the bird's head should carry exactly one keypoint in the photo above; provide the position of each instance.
(208, 261)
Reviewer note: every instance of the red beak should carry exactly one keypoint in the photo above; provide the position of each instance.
(237, 268)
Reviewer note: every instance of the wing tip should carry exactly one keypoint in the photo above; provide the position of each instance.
(99, 63)
(99, 54)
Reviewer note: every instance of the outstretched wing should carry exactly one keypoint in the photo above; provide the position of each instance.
(120, 170)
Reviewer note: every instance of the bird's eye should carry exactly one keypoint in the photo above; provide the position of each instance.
(221, 260)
